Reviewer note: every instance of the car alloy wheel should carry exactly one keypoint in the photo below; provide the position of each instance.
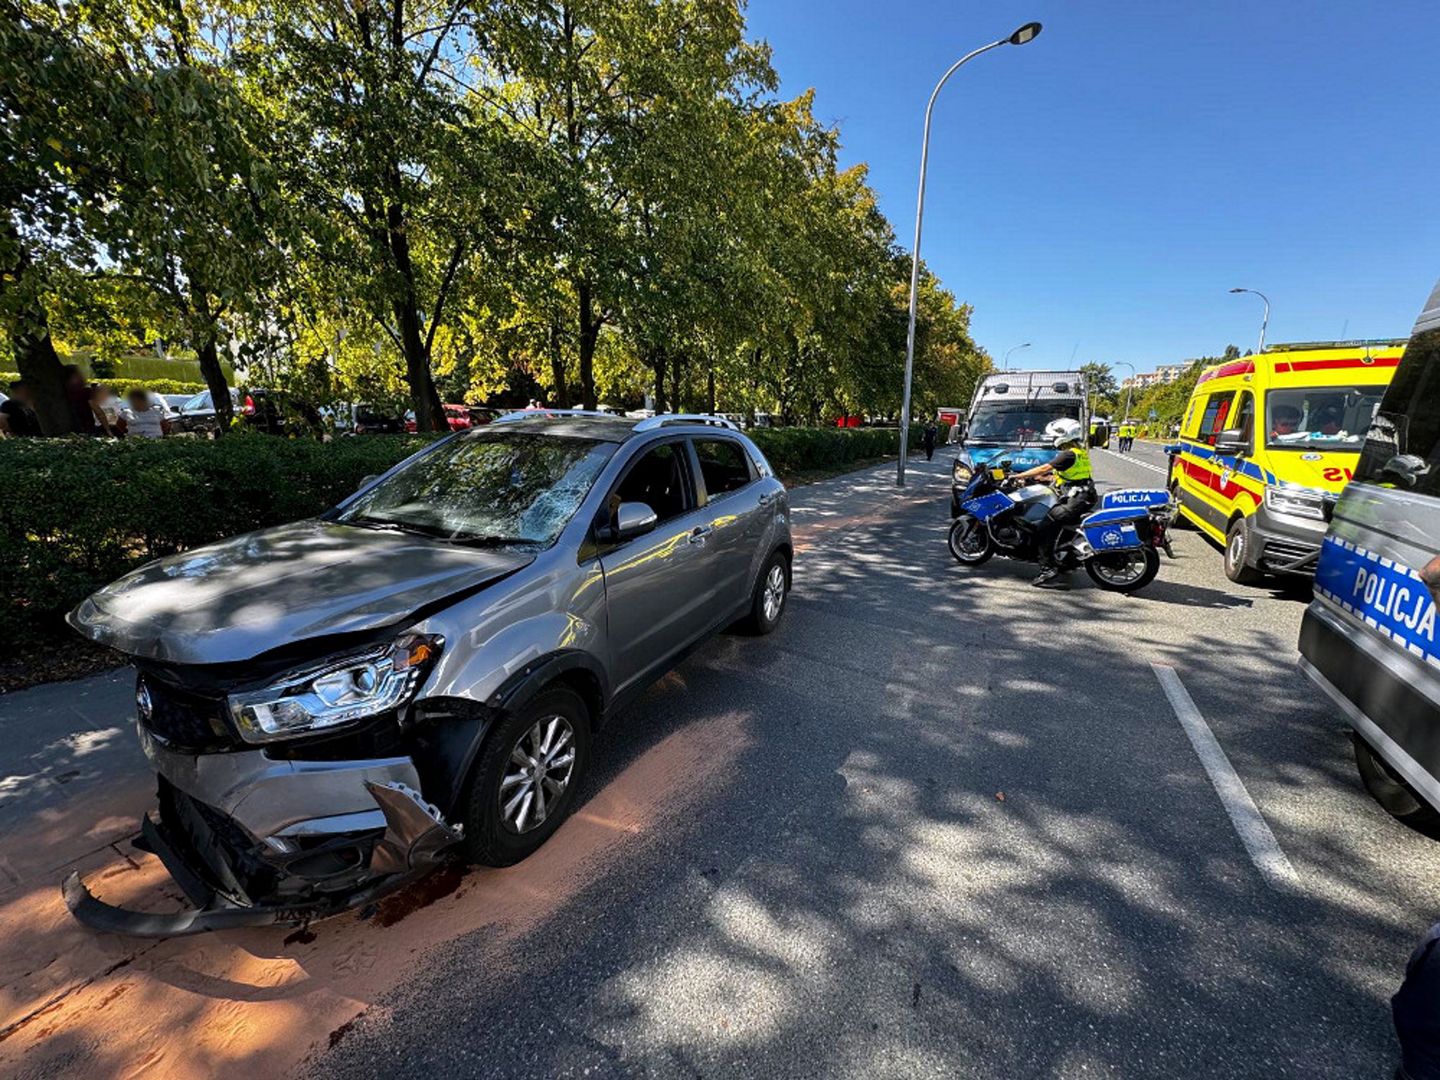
(773, 598)
(537, 774)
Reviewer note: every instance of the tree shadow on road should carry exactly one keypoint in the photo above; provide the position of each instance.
(967, 838)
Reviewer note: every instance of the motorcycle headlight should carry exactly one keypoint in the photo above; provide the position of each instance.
(336, 692)
(1296, 503)
(961, 473)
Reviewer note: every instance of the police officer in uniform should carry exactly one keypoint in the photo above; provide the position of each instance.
(1077, 492)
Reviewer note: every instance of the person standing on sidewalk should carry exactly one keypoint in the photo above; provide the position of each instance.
(928, 440)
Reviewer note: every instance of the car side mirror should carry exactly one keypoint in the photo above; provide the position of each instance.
(632, 519)
(1232, 441)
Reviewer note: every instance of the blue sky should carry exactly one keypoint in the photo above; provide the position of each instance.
(1107, 184)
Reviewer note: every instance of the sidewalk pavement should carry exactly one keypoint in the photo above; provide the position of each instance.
(72, 777)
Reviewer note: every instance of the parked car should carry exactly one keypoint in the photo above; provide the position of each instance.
(374, 420)
(273, 412)
(197, 413)
(458, 417)
(333, 704)
(1368, 640)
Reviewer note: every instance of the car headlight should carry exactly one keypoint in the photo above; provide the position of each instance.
(336, 692)
(1296, 503)
(961, 473)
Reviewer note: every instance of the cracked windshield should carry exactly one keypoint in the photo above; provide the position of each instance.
(719, 538)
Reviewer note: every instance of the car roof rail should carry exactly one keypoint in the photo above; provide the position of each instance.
(650, 423)
(540, 414)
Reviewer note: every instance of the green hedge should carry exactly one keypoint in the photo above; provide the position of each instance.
(124, 385)
(793, 450)
(77, 513)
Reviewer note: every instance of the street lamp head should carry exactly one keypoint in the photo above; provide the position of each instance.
(1239, 290)
(1027, 33)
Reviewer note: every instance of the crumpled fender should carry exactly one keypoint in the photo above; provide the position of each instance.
(415, 833)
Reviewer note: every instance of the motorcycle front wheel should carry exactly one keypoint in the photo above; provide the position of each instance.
(1124, 571)
(970, 541)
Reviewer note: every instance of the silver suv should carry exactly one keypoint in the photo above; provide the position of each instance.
(335, 704)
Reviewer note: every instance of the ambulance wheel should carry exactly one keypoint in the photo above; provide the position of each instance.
(1390, 790)
(1124, 571)
(1237, 551)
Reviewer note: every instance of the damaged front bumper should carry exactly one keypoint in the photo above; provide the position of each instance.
(309, 874)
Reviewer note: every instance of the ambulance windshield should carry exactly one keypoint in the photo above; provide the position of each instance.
(1325, 418)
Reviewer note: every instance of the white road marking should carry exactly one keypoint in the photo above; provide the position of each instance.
(1135, 461)
(1265, 851)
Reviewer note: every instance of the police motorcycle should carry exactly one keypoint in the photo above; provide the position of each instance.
(1116, 543)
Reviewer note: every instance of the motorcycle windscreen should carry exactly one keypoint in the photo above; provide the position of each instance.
(987, 505)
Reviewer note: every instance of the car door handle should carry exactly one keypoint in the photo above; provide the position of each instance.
(699, 533)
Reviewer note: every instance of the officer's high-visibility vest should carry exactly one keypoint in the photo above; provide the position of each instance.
(1079, 471)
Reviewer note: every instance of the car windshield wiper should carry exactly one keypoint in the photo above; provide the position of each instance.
(390, 525)
(435, 532)
(482, 540)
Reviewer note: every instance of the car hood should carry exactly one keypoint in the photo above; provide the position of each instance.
(247, 595)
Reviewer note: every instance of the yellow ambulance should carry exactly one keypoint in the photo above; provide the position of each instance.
(1267, 443)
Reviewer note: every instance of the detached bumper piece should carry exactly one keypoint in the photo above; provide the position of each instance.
(225, 881)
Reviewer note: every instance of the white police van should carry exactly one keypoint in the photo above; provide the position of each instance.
(1369, 636)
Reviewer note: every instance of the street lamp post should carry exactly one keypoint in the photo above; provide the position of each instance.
(1005, 363)
(1265, 320)
(1021, 36)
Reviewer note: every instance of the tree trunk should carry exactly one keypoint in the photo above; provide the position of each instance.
(589, 333)
(424, 399)
(710, 391)
(35, 356)
(657, 365)
(560, 394)
(214, 376)
(675, 376)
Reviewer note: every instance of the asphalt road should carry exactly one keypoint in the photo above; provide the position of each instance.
(949, 825)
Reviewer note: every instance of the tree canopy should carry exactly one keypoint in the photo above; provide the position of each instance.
(468, 200)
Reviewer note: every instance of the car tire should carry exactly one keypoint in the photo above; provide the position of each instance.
(1390, 790)
(500, 827)
(1237, 550)
(767, 605)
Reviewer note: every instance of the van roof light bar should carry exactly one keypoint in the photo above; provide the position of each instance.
(651, 423)
(1359, 343)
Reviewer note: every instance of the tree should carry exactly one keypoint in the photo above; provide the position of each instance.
(408, 180)
(47, 85)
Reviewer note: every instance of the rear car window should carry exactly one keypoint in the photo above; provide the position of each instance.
(723, 465)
